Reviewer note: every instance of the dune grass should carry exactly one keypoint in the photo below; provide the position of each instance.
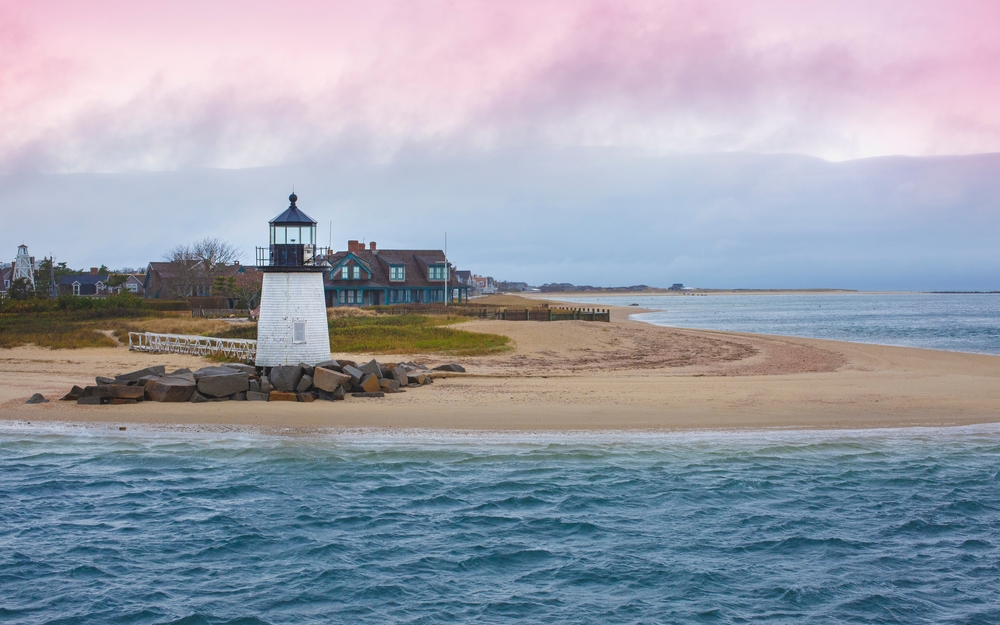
(410, 334)
(59, 330)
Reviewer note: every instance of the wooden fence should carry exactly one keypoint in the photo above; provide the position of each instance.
(504, 313)
(220, 312)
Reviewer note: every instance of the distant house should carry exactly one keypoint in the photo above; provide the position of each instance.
(5, 279)
(84, 284)
(134, 284)
(677, 286)
(484, 284)
(180, 279)
(372, 277)
(513, 287)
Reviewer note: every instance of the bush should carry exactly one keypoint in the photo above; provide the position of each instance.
(167, 304)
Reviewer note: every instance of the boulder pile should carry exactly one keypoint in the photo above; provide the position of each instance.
(330, 380)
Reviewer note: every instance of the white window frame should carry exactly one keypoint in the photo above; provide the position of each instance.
(357, 272)
(345, 272)
(132, 287)
(76, 288)
(397, 273)
(298, 331)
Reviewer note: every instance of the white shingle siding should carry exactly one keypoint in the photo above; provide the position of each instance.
(285, 299)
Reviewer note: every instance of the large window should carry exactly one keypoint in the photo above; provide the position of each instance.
(133, 287)
(438, 272)
(298, 331)
(397, 272)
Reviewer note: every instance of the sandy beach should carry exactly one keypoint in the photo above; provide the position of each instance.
(578, 375)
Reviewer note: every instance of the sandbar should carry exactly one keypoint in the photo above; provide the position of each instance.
(576, 375)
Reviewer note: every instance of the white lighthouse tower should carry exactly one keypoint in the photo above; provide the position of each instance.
(24, 266)
(292, 326)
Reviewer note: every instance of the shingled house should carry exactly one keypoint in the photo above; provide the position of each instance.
(93, 283)
(367, 276)
(179, 279)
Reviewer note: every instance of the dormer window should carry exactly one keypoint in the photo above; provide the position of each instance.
(397, 273)
(357, 272)
(438, 272)
(345, 272)
(76, 288)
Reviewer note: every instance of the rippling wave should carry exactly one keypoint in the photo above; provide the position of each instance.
(822, 527)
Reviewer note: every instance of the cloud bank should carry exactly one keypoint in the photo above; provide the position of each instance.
(124, 86)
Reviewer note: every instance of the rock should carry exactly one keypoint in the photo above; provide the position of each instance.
(413, 385)
(218, 384)
(372, 367)
(307, 369)
(73, 394)
(239, 366)
(332, 365)
(254, 386)
(306, 397)
(371, 383)
(104, 381)
(428, 379)
(218, 370)
(256, 396)
(135, 375)
(37, 399)
(239, 396)
(453, 368)
(120, 391)
(304, 384)
(90, 401)
(197, 398)
(281, 396)
(179, 372)
(346, 363)
(336, 395)
(355, 373)
(328, 380)
(286, 378)
(265, 385)
(183, 375)
(389, 386)
(398, 373)
(378, 394)
(171, 389)
(119, 401)
(415, 378)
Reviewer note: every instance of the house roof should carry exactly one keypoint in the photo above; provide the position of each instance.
(83, 278)
(293, 216)
(379, 263)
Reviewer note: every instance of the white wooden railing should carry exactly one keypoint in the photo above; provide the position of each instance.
(243, 349)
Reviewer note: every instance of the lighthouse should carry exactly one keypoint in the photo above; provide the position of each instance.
(292, 326)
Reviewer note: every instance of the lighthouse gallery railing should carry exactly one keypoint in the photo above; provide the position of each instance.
(243, 349)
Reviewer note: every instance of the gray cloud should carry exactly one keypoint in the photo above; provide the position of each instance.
(598, 216)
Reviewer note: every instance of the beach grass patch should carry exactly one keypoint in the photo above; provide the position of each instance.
(410, 334)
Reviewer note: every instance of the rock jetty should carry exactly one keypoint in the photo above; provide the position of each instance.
(331, 380)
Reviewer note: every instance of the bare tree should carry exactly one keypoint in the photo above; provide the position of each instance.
(198, 264)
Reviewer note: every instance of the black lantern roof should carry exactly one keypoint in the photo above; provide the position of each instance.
(293, 216)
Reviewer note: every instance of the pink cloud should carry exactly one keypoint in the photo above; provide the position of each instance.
(122, 85)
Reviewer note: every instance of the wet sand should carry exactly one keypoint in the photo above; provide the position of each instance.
(577, 375)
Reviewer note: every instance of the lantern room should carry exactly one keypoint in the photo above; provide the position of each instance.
(293, 237)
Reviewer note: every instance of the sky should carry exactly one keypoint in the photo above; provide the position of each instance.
(772, 144)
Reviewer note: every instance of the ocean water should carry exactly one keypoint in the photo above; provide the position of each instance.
(956, 322)
(779, 527)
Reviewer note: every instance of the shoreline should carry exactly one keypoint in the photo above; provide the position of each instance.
(574, 376)
(447, 435)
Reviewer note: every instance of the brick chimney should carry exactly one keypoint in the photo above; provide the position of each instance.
(361, 247)
(371, 246)
(352, 247)
(93, 271)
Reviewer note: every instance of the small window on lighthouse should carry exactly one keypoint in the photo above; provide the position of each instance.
(298, 331)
